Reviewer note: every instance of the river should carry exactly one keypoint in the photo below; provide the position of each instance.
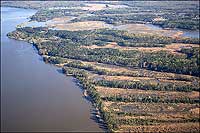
(155, 29)
(186, 33)
(36, 96)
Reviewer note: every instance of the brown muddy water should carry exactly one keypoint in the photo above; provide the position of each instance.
(36, 96)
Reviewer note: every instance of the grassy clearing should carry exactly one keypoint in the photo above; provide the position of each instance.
(150, 108)
(171, 127)
(106, 91)
(173, 48)
(88, 25)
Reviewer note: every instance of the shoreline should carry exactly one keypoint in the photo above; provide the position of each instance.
(98, 119)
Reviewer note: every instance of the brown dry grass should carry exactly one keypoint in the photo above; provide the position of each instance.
(127, 78)
(170, 127)
(178, 46)
(152, 80)
(162, 116)
(172, 48)
(151, 108)
(195, 111)
(60, 20)
(105, 91)
(87, 25)
(96, 7)
(175, 82)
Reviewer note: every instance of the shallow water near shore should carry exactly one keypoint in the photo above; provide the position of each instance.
(35, 95)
